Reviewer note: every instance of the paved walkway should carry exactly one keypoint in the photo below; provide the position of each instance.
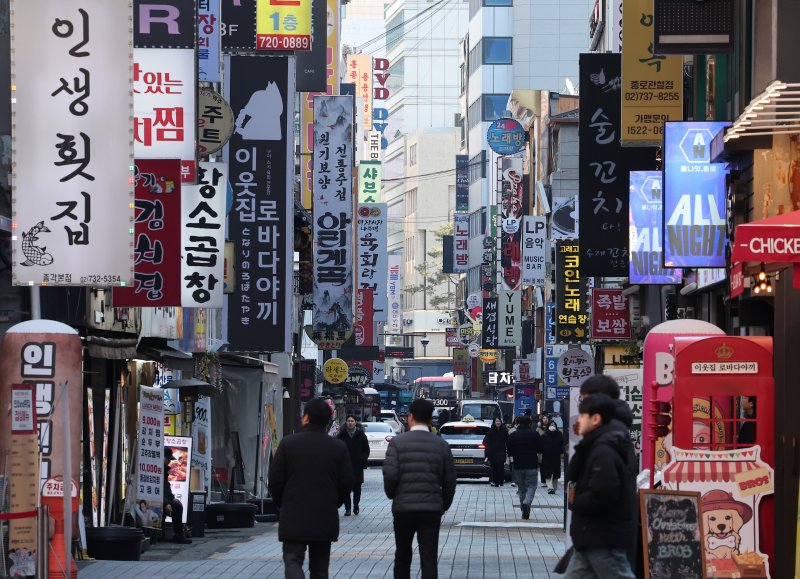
(482, 535)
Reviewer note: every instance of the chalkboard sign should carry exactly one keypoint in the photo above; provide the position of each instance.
(672, 532)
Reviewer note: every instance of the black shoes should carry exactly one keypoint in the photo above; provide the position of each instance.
(355, 510)
(347, 513)
(551, 492)
(526, 511)
(182, 541)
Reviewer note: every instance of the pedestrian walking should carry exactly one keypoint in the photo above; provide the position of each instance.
(524, 446)
(355, 439)
(599, 496)
(309, 478)
(552, 448)
(541, 428)
(172, 506)
(420, 478)
(494, 450)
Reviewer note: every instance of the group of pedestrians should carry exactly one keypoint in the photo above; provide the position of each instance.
(312, 475)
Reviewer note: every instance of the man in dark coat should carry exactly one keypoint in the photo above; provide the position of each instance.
(420, 478)
(524, 446)
(358, 446)
(309, 478)
(603, 516)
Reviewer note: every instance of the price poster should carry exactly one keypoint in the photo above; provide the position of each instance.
(150, 456)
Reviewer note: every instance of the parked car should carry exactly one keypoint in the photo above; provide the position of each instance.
(391, 418)
(378, 434)
(466, 443)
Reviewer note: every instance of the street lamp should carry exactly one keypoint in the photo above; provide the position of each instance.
(424, 342)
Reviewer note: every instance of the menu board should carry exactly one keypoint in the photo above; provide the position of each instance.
(672, 532)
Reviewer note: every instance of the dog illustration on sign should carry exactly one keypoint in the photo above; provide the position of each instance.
(723, 517)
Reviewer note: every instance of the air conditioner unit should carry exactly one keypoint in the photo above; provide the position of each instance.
(408, 322)
(442, 321)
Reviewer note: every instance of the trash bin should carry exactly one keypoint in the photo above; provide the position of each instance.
(197, 514)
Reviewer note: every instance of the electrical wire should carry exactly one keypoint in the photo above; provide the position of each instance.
(384, 34)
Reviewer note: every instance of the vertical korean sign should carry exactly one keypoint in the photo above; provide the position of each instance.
(646, 248)
(283, 24)
(208, 40)
(534, 244)
(460, 242)
(333, 220)
(462, 183)
(373, 263)
(307, 104)
(603, 169)
(22, 468)
(393, 294)
(72, 144)
(611, 315)
(165, 125)
(572, 293)
(510, 185)
(157, 226)
(695, 228)
(365, 318)
(652, 85)
(261, 164)
(150, 453)
(490, 337)
(369, 181)
(203, 237)
(359, 73)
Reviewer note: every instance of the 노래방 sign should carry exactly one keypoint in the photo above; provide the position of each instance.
(672, 532)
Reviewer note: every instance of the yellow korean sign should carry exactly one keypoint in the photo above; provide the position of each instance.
(652, 84)
(283, 24)
(335, 370)
(369, 182)
(307, 106)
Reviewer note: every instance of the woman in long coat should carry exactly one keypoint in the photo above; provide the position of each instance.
(358, 446)
(552, 448)
(495, 451)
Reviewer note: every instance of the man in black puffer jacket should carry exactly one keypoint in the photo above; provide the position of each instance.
(420, 478)
(603, 517)
(524, 446)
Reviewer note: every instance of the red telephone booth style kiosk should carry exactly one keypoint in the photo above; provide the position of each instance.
(727, 452)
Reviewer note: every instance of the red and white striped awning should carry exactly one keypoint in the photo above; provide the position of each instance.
(707, 471)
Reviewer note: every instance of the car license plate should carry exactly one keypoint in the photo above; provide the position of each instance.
(462, 460)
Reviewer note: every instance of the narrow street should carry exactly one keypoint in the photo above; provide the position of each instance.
(482, 536)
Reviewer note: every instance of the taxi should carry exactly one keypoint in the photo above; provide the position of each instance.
(465, 438)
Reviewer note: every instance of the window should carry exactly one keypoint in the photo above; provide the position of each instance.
(411, 202)
(477, 167)
(412, 155)
(474, 114)
(496, 50)
(498, 2)
(474, 58)
(494, 105)
(394, 31)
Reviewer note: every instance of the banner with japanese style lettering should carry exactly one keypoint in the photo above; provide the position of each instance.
(333, 220)
(372, 253)
(157, 227)
(307, 105)
(203, 237)
(164, 103)
(652, 84)
(510, 189)
(260, 153)
(460, 242)
(611, 315)
(282, 25)
(359, 72)
(208, 40)
(534, 248)
(603, 168)
(369, 181)
(462, 182)
(695, 201)
(572, 295)
(164, 23)
(72, 190)
(646, 246)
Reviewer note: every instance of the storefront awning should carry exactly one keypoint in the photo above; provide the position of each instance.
(770, 240)
(776, 111)
(706, 471)
(170, 357)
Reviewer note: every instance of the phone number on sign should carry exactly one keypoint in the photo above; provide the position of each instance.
(283, 42)
(101, 279)
(652, 96)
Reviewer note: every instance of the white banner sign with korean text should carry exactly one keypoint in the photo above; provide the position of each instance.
(203, 237)
(333, 220)
(164, 101)
(534, 247)
(150, 449)
(373, 262)
(72, 148)
(393, 293)
(460, 242)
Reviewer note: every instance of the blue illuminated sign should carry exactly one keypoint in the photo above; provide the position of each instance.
(506, 137)
(646, 248)
(694, 229)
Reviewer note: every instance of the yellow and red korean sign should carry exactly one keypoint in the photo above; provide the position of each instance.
(359, 72)
(652, 84)
(283, 25)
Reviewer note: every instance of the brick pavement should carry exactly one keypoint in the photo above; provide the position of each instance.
(482, 535)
